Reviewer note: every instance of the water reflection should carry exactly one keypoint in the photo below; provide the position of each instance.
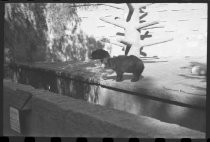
(164, 112)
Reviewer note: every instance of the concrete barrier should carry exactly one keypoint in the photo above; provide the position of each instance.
(50, 114)
(146, 97)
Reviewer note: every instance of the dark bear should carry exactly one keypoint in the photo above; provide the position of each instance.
(99, 54)
(128, 64)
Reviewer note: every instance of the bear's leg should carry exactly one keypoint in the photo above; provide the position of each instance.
(135, 77)
(119, 76)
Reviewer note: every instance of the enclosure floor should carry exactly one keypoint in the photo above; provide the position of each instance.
(173, 74)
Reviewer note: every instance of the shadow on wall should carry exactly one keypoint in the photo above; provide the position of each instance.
(48, 80)
(37, 78)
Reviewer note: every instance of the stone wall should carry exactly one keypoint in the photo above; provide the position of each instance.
(50, 114)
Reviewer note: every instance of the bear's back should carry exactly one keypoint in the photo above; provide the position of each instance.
(126, 63)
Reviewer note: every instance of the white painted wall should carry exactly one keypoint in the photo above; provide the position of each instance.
(190, 36)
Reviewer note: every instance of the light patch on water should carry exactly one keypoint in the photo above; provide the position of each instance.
(103, 97)
(134, 108)
(179, 112)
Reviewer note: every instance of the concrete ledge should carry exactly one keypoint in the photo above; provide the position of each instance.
(55, 115)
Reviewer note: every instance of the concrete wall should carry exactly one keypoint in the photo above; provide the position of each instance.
(50, 114)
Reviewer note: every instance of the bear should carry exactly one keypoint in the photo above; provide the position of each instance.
(99, 54)
(122, 64)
